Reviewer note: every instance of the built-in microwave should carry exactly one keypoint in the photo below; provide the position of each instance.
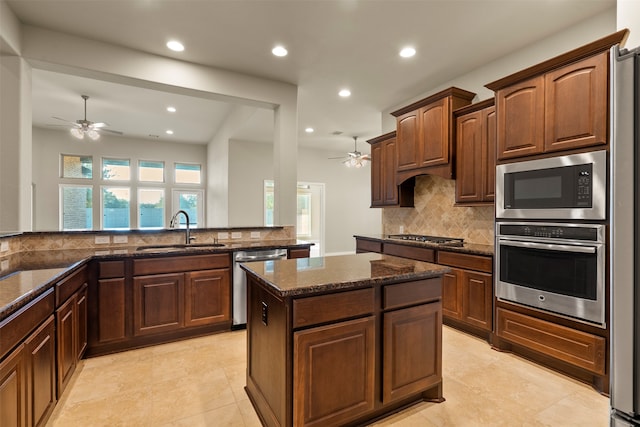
(564, 187)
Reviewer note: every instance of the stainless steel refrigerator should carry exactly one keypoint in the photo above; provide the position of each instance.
(624, 187)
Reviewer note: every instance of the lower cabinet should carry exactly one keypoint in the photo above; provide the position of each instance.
(206, 296)
(13, 390)
(71, 331)
(320, 368)
(158, 303)
(40, 364)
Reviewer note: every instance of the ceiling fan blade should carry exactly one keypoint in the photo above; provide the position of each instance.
(64, 120)
(116, 132)
(335, 158)
(99, 125)
(365, 157)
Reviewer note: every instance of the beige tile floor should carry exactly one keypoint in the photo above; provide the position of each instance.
(199, 382)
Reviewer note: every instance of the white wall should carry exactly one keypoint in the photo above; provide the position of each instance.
(628, 16)
(347, 191)
(49, 144)
(573, 37)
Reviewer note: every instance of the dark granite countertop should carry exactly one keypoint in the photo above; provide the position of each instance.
(467, 248)
(308, 276)
(26, 275)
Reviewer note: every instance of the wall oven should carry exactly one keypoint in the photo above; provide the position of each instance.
(571, 187)
(555, 267)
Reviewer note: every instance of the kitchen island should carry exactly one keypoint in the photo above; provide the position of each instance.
(342, 340)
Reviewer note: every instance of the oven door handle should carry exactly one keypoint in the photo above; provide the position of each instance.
(550, 247)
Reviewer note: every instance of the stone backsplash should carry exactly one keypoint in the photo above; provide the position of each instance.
(435, 214)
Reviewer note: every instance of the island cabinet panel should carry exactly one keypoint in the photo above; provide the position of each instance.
(326, 308)
(368, 246)
(207, 297)
(13, 390)
(319, 370)
(40, 363)
(412, 340)
(158, 302)
(298, 253)
(411, 293)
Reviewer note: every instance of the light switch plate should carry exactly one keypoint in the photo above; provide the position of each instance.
(223, 235)
(236, 235)
(255, 234)
(4, 265)
(120, 239)
(102, 240)
(4, 246)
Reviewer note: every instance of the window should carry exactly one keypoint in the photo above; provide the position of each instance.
(76, 206)
(77, 166)
(269, 202)
(187, 174)
(304, 213)
(116, 169)
(115, 207)
(150, 171)
(151, 208)
(190, 201)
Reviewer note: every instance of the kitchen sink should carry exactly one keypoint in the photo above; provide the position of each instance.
(178, 247)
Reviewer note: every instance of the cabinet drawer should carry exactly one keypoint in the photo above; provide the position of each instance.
(328, 308)
(578, 348)
(470, 262)
(17, 326)
(180, 263)
(368, 246)
(411, 293)
(110, 269)
(70, 284)
(411, 252)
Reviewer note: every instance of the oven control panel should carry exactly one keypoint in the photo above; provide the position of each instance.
(550, 231)
(583, 184)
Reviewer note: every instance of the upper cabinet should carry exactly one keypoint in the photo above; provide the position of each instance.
(425, 134)
(560, 104)
(384, 190)
(476, 153)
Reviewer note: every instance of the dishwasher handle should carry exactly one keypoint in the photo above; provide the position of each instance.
(240, 257)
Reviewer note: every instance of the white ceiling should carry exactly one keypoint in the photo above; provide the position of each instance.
(332, 44)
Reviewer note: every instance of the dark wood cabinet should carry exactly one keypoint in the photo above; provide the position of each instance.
(40, 364)
(207, 295)
(452, 294)
(477, 299)
(66, 334)
(412, 341)
(158, 302)
(109, 321)
(424, 134)
(384, 189)
(558, 105)
(320, 368)
(298, 253)
(13, 390)
(81, 321)
(476, 153)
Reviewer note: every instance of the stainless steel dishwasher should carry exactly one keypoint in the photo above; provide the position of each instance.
(240, 280)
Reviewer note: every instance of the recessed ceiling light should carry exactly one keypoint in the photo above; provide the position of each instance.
(175, 45)
(169, 132)
(344, 93)
(407, 52)
(171, 109)
(309, 130)
(279, 51)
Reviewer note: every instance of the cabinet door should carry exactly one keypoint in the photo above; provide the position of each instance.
(520, 110)
(576, 104)
(158, 303)
(452, 294)
(389, 187)
(41, 373)
(208, 297)
(477, 299)
(110, 295)
(412, 341)
(408, 137)
(341, 357)
(377, 175)
(81, 322)
(434, 136)
(489, 139)
(66, 341)
(13, 390)
(469, 155)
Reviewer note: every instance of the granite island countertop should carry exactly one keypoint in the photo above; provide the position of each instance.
(466, 248)
(26, 275)
(309, 276)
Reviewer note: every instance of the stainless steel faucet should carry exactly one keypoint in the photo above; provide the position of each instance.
(174, 221)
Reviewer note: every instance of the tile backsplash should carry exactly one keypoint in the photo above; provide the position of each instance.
(435, 214)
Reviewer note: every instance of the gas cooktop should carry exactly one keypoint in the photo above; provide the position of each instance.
(448, 241)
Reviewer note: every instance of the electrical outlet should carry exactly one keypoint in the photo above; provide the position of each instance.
(102, 240)
(4, 246)
(4, 265)
(265, 314)
(255, 234)
(120, 239)
(402, 229)
(236, 235)
(223, 235)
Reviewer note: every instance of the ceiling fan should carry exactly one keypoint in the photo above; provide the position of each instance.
(83, 127)
(354, 159)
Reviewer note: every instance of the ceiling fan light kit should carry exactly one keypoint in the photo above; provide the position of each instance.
(84, 127)
(356, 158)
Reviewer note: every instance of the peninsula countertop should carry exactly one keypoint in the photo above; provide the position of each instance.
(309, 276)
